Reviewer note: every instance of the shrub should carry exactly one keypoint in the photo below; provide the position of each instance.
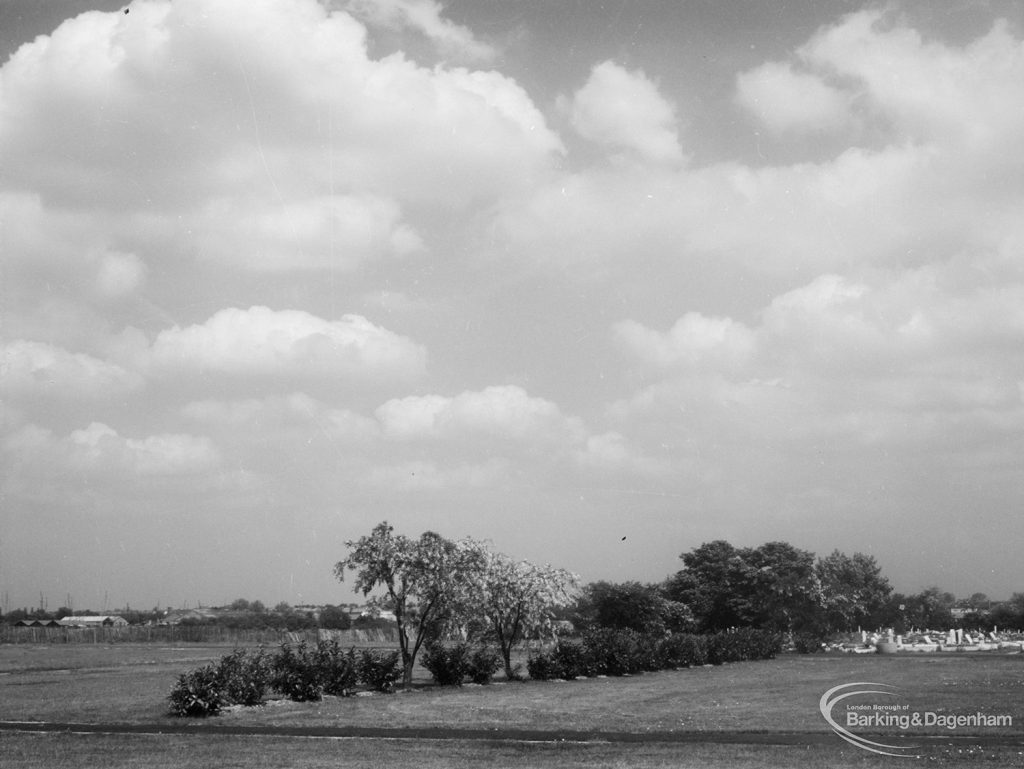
(296, 674)
(684, 650)
(198, 693)
(613, 651)
(542, 666)
(337, 670)
(573, 660)
(483, 664)
(448, 665)
(379, 670)
(244, 676)
(651, 653)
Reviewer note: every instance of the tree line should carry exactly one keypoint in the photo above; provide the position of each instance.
(438, 588)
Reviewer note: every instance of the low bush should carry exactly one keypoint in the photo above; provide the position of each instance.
(573, 660)
(379, 670)
(244, 676)
(296, 674)
(198, 693)
(542, 666)
(683, 650)
(483, 664)
(448, 665)
(613, 651)
(337, 669)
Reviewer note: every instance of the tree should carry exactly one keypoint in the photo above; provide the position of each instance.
(428, 583)
(715, 584)
(771, 586)
(854, 591)
(334, 618)
(518, 599)
(631, 606)
(785, 593)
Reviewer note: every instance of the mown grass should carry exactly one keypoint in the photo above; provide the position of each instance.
(34, 751)
(129, 684)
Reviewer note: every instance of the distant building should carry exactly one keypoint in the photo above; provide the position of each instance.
(103, 620)
(37, 623)
(177, 616)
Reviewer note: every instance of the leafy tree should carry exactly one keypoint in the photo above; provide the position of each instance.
(334, 618)
(785, 593)
(1008, 614)
(426, 583)
(773, 586)
(854, 591)
(631, 606)
(517, 599)
(715, 584)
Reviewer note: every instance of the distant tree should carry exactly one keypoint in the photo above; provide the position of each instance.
(853, 589)
(257, 607)
(334, 618)
(283, 608)
(631, 606)
(1008, 614)
(978, 602)
(716, 584)
(425, 583)
(239, 604)
(785, 593)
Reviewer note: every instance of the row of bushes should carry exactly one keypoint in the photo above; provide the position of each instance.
(451, 665)
(299, 672)
(616, 652)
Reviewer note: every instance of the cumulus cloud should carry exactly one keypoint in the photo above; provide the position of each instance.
(502, 411)
(98, 449)
(281, 412)
(935, 170)
(198, 100)
(784, 99)
(453, 41)
(341, 232)
(34, 369)
(692, 340)
(623, 110)
(264, 342)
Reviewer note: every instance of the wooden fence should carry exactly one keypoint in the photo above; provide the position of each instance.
(204, 634)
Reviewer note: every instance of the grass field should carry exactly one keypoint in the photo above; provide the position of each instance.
(743, 715)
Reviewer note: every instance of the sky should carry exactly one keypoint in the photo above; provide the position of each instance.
(596, 282)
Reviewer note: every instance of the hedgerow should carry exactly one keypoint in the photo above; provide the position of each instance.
(616, 652)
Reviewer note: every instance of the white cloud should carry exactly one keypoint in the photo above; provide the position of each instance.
(198, 100)
(276, 414)
(99, 450)
(784, 99)
(623, 110)
(694, 339)
(501, 411)
(341, 232)
(264, 342)
(38, 370)
(452, 40)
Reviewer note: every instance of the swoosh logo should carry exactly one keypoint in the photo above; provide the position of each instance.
(832, 696)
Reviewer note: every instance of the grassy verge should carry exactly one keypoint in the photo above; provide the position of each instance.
(129, 684)
(30, 751)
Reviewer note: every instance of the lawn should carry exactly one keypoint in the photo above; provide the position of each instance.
(674, 718)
